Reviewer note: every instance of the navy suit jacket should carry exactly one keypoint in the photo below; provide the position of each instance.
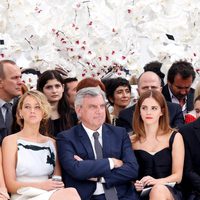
(116, 144)
(191, 137)
(190, 97)
(125, 118)
(3, 128)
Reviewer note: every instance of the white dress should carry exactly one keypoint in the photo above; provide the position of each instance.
(35, 162)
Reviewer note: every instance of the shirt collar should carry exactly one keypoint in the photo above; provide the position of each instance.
(90, 132)
(173, 97)
(2, 102)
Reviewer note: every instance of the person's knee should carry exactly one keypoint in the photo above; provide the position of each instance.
(72, 190)
(159, 192)
(65, 193)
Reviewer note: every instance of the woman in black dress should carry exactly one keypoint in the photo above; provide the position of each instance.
(158, 148)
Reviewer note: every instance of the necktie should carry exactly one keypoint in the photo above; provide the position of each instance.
(8, 117)
(110, 193)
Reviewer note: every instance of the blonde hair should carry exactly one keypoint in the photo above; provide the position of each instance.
(138, 124)
(42, 101)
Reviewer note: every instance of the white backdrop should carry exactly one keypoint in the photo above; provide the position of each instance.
(89, 36)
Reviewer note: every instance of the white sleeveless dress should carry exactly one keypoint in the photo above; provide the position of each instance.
(35, 162)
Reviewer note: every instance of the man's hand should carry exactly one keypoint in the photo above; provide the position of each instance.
(78, 158)
(117, 163)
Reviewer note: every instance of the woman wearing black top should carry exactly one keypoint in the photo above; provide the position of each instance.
(62, 117)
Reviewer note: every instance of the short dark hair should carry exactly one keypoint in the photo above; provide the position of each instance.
(2, 62)
(112, 84)
(183, 68)
(154, 66)
(69, 80)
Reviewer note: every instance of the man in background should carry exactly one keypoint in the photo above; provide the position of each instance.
(178, 88)
(10, 87)
(150, 81)
(70, 89)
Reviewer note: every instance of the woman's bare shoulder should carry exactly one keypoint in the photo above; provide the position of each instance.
(10, 138)
(47, 138)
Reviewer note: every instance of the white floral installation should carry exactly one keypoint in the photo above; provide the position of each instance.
(92, 37)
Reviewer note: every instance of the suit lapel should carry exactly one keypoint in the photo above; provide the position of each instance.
(106, 137)
(197, 128)
(85, 141)
(2, 123)
(166, 93)
(189, 103)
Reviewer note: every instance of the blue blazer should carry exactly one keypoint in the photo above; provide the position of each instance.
(116, 144)
(3, 129)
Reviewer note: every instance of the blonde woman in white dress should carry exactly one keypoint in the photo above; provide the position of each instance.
(29, 157)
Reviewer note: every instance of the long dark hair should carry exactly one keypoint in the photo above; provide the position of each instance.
(64, 109)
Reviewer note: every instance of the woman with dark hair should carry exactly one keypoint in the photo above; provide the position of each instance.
(62, 116)
(118, 93)
(158, 148)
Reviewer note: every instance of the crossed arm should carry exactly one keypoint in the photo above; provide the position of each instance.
(125, 168)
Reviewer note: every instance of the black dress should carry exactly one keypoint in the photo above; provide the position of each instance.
(158, 165)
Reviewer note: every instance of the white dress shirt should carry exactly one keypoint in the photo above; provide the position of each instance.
(99, 189)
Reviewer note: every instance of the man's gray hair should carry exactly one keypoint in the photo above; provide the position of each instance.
(88, 91)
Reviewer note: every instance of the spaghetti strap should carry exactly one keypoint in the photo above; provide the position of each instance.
(171, 139)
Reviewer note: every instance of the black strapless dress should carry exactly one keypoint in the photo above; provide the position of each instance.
(158, 165)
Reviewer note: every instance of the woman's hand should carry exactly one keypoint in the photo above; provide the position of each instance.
(2, 197)
(148, 180)
(51, 185)
(139, 186)
(4, 194)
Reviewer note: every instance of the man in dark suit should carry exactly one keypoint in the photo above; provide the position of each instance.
(191, 175)
(178, 88)
(97, 177)
(10, 87)
(150, 81)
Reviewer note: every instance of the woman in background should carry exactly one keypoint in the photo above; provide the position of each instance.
(118, 93)
(30, 158)
(158, 149)
(62, 117)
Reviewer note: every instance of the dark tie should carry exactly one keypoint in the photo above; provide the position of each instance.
(110, 193)
(8, 116)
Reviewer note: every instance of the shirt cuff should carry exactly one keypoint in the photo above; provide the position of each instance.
(111, 163)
